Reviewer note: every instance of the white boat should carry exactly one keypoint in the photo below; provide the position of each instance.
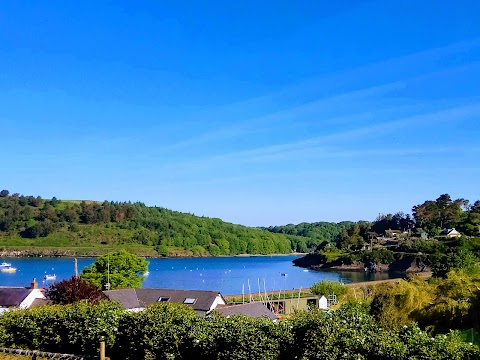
(5, 264)
(50, 277)
(146, 273)
(9, 269)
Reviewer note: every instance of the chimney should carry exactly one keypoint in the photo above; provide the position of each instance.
(34, 284)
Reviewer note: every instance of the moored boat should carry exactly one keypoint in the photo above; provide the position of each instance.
(5, 265)
(50, 277)
(9, 269)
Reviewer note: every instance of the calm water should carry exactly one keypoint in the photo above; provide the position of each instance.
(226, 274)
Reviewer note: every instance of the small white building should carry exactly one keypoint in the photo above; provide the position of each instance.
(323, 303)
(19, 297)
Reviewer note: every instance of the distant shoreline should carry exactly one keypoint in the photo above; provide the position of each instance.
(37, 253)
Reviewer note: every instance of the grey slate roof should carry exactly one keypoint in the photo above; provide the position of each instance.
(139, 298)
(255, 309)
(127, 297)
(13, 296)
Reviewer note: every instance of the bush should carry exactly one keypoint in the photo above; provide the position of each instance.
(378, 256)
(173, 331)
(75, 328)
(326, 288)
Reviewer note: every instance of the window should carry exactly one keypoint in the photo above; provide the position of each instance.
(190, 301)
(163, 299)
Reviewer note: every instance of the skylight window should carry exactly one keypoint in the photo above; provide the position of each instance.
(190, 301)
(163, 299)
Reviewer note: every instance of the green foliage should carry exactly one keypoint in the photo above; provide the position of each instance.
(437, 305)
(327, 288)
(354, 237)
(163, 331)
(239, 337)
(172, 331)
(89, 223)
(121, 269)
(75, 328)
(378, 256)
(416, 245)
(455, 258)
(311, 234)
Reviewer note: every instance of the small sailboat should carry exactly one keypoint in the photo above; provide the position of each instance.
(50, 277)
(146, 273)
(9, 269)
(5, 265)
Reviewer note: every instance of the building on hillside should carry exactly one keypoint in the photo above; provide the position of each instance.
(20, 297)
(254, 309)
(203, 302)
(421, 235)
(452, 233)
(392, 233)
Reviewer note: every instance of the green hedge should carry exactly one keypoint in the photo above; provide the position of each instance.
(170, 331)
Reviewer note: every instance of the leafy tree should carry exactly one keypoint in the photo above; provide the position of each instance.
(39, 229)
(121, 269)
(326, 288)
(73, 290)
(454, 259)
(4, 193)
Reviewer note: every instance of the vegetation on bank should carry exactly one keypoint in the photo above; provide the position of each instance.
(401, 242)
(173, 331)
(55, 227)
(307, 235)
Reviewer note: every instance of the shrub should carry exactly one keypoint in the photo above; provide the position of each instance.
(326, 288)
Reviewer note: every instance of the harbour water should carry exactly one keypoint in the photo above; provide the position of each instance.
(229, 275)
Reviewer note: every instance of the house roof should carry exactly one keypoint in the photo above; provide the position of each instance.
(13, 296)
(127, 297)
(255, 309)
(450, 231)
(199, 300)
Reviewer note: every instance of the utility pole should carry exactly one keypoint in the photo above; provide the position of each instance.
(76, 268)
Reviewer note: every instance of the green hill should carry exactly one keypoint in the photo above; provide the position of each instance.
(54, 227)
(305, 235)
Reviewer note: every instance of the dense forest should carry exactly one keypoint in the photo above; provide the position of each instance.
(82, 223)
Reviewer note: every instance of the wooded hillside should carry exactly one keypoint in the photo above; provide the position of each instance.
(33, 221)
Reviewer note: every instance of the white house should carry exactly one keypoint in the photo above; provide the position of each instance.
(19, 297)
(451, 233)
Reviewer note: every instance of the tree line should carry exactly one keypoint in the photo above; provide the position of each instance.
(114, 223)
(126, 223)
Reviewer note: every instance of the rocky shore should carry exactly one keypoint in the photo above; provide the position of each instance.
(408, 263)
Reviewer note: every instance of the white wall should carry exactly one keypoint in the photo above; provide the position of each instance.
(34, 294)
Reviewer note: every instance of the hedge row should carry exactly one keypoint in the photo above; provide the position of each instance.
(170, 331)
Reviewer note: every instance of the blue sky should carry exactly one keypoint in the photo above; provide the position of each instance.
(259, 113)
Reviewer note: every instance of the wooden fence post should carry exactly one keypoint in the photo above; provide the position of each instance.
(102, 350)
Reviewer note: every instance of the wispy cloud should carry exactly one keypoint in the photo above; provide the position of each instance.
(398, 71)
(315, 146)
(277, 118)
